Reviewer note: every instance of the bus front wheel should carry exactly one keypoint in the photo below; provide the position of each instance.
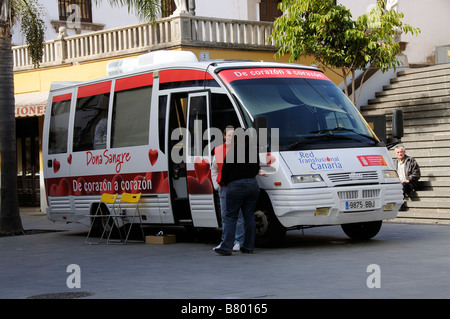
(362, 231)
(269, 231)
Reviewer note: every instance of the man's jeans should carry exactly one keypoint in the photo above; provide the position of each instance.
(407, 189)
(239, 237)
(242, 195)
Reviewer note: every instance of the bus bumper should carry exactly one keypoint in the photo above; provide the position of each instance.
(336, 205)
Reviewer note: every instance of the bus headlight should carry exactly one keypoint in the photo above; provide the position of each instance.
(310, 178)
(390, 174)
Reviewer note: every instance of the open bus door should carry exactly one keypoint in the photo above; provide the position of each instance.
(189, 161)
(200, 187)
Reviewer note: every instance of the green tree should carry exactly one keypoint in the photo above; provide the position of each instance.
(28, 13)
(343, 45)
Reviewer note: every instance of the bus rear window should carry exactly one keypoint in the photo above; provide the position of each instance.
(59, 121)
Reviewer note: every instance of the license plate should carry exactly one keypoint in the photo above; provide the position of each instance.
(359, 205)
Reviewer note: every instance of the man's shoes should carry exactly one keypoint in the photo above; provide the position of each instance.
(222, 252)
(236, 247)
(246, 251)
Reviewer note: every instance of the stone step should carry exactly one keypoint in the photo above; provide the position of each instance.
(424, 121)
(417, 96)
(416, 117)
(427, 137)
(430, 197)
(387, 109)
(424, 97)
(425, 72)
(433, 193)
(418, 88)
(429, 165)
(433, 182)
(427, 153)
(398, 83)
(430, 203)
(426, 145)
(431, 212)
(425, 114)
(426, 212)
(393, 103)
(426, 163)
(430, 128)
(434, 173)
(420, 213)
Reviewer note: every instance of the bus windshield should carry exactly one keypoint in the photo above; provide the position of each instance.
(309, 113)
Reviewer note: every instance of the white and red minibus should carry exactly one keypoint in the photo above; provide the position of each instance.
(150, 126)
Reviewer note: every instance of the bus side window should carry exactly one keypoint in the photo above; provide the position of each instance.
(223, 113)
(177, 123)
(162, 108)
(59, 121)
(131, 117)
(198, 123)
(91, 122)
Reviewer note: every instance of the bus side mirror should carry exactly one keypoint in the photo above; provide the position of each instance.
(397, 124)
(397, 128)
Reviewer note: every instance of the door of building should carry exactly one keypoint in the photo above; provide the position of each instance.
(27, 137)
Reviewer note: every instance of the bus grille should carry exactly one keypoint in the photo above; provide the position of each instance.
(371, 193)
(354, 194)
(348, 194)
(352, 177)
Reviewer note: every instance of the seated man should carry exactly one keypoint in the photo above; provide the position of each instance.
(408, 170)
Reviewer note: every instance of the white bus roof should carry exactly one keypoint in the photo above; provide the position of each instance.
(165, 59)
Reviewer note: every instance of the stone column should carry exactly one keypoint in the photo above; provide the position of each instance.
(61, 46)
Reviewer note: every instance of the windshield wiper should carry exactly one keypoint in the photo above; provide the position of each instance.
(331, 132)
(314, 139)
(298, 143)
(328, 134)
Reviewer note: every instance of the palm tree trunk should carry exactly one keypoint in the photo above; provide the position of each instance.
(10, 222)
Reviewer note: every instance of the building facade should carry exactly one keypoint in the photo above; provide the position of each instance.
(212, 29)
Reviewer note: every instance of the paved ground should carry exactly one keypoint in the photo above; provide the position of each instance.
(413, 262)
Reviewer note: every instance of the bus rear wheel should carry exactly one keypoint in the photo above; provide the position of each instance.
(362, 231)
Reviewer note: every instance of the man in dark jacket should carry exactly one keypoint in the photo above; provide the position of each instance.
(408, 170)
(240, 167)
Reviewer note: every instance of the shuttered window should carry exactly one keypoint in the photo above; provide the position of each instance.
(69, 9)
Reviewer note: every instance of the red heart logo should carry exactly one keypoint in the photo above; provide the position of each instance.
(201, 169)
(138, 180)
(153, 156)
(64, 187)
(156, 178)
(270, 159)
(164, 186)
(53, 190)
(69, 159)
(199, 188)
(61, 189)
(56, 165)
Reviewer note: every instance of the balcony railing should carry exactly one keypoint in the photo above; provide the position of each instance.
(178, 31)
